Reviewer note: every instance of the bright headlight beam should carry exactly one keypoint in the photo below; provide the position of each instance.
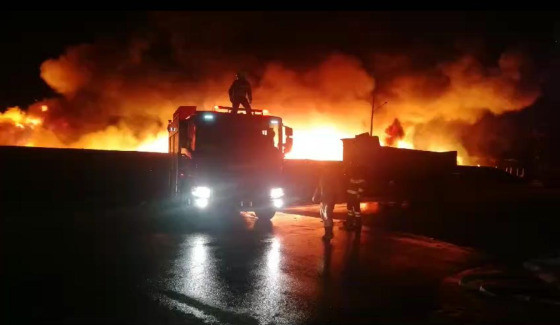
(278, 203)
(208, 117)
(276, 192)
(201, 203)
(202, 192)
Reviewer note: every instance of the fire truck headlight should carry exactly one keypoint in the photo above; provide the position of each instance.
(201, 203)
(278, 203)
(201, 192)
(276, 193)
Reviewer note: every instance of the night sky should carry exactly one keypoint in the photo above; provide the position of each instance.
(30, 38)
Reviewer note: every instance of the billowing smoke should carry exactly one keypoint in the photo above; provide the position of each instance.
(120, 94)
(436, 105)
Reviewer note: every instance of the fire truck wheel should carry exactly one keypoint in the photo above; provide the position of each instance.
(265, 214)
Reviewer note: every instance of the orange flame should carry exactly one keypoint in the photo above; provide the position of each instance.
(157, 144)
(323, 102)
(319, 143)
(19, 118)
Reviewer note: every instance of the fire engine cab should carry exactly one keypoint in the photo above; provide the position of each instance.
(220, 159)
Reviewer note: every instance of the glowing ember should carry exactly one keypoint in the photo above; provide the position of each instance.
(44, 108)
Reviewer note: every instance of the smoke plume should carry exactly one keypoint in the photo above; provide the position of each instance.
(120, 94)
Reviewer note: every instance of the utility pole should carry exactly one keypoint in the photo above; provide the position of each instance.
(371, 120)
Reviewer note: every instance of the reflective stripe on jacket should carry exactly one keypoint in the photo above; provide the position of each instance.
(356, 186)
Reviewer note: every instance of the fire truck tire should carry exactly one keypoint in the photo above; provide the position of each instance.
(265, 214)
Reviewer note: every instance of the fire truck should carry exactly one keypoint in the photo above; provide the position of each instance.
(222, 160)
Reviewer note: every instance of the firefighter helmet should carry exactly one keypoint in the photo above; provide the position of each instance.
(240, 75)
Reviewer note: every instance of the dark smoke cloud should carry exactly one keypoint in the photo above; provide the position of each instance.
(120, 93)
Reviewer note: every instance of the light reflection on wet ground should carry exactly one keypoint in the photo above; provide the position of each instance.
(157, 266)
(281, 273)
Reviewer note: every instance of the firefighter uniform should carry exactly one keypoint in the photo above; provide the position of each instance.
(354, 193)
(240, 94)
(325, 193)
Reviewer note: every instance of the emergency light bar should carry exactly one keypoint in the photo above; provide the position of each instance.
(230, 109)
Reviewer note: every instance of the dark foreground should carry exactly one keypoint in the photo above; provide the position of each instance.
(152, 265)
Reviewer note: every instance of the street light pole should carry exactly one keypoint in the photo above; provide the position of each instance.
(371, 120)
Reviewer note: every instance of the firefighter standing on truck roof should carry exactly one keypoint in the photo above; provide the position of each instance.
(240, 93)
(325, 194)
(354, 193)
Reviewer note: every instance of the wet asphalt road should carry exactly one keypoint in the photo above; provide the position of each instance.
(281, 273)
(243, 271)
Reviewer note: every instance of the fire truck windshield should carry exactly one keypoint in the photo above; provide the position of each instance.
(227, 135)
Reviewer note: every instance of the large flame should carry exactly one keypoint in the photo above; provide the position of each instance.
(16, 117)
(321, 143)
(123, 102)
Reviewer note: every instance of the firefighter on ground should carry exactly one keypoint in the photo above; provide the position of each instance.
(354, 192)
(325, 194)
(240, 93)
